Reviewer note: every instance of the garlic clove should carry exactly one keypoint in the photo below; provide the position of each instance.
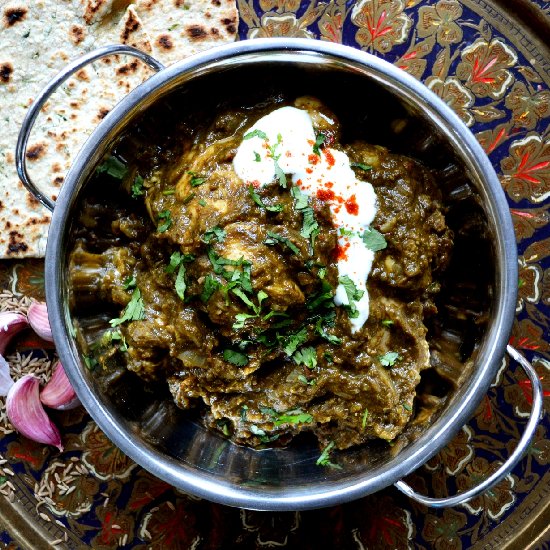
(26, 413)
(38, 319)
(10, 324)
(58, 392)
(6, 381)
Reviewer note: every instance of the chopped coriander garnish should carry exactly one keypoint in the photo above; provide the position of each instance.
(323, 460)
(280, 175)
(276, 237)
(202, 202)
(319, 140)
(361, 165)
(90, 362)
(241, 318)
(117, 336)
(180, 282)
(329, 357)
(364, 420)
(306, 356)
(255, 133)
(134, 311)
(257, 199)
(113, 167)
(166, 216)
(196, 180)
(216, 233)
(189, 198)
(387, 322)
(302, 200)
(129, 283)
(235, 358)
(374, 240)
(244, 410)
(291, 342)
(353, 294)
(174, 26)
(210, 286)
(137, 187)
(257, 157)
(304, 380)
(293, 417)
(407, 407)
(346, 232)
(389, 358)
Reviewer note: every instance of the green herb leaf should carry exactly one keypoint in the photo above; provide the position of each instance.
(257, 157)
(137, 187)
(387, 322)
(210, 286)
(216, 233)
(291, 342)
(361, 165)
(241, 319)
(257, 199)
(407, 407)
(280, 175)
(235, 358)
(189, 198)
(323, 298)
(319, 141)
(304, 380)
(202, 202)
(310, 227)
(353, 294)
(238, 292)
(324, 459)
(389, 358)
(113, 167)
(130, 283)
(374, 240)
(90, 362)
(255, 133)
(346, 232)
(134, 311)
(283, 240)
(293, 417)
(195, 180)
(180, 282)
(306, 356)
(166, 216)
(365, 416)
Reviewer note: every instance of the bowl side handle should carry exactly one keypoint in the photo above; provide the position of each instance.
(48, 90)
(513, 459)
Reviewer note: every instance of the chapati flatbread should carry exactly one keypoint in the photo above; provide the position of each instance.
(37, 39)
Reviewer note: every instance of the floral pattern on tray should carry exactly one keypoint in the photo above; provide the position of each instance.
(91, 495)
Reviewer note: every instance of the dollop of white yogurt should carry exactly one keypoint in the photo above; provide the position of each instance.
(284, 140)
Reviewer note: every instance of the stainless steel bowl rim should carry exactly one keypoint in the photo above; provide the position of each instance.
(437, 435)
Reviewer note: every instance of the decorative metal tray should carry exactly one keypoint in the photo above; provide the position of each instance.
(490, 63)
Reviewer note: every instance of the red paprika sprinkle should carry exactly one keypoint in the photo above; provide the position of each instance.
(351, 206)
(325, 194)
(313, 159)
(329, 157)
(340, 252)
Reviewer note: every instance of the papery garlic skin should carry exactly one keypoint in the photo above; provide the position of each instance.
(10, 324)
(58, 392)
(6, 381)
(38, 319)
(27, 415)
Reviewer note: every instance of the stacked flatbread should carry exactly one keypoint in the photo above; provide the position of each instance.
(37, 39)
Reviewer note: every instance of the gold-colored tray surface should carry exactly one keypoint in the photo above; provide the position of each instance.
(487, 60)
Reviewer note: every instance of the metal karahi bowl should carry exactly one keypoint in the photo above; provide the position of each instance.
(174, 446)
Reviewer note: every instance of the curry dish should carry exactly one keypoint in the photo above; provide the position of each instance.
(240, 295)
